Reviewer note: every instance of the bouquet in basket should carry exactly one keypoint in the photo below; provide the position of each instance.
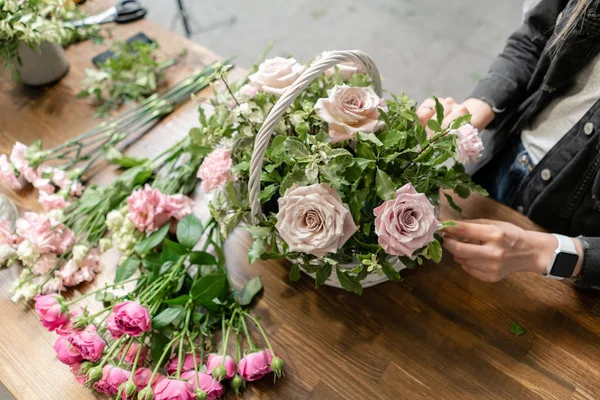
(327, 173)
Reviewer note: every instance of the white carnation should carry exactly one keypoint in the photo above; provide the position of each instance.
(27, 254)
(114, 220)
(79, 253)
(105, 244)
(6, 253)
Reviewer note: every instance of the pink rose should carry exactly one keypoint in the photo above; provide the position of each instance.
(80, 377)
(347, 69)
(147, 209)
(406, 223)
(171, 389)
(275, 75)
(112, 378)
(204, 382)
(133, 351)
(50, 311)
(178, 206)
(350, 109)
(312, 219)
(7, 173)
(188, 364)
(128, 318)
(89, 344)
(214, 360)
(66, 353)
(254, 366)
(468, 144)
(52, 201)
(215, 170)
(44, 264)
(142, 377)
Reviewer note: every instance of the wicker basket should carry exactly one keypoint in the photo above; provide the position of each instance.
(263, 137)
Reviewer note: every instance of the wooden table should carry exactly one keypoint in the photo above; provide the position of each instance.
(438, 334)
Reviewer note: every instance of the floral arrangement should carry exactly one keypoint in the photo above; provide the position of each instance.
(350, 182)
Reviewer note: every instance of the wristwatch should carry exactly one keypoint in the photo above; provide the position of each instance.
(564, 260)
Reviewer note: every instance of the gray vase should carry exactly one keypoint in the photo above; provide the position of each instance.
(46, 63)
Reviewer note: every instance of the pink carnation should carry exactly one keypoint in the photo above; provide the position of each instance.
(42, 184)
(17, 157)
(204, 382)
(76, 189)
(215, 170)
(171, 389)
(128, 318)
(147, 209)
(50, 311)
(6, 234)
(69, 273)
(60, 179)
(44, 264)
(112, 378)
(468, 144)
(45, 238)
(7, 173)
(89, 344)
(52, 201)
(178, 206)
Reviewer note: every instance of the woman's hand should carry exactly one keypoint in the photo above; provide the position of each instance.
(492, 250)
(481, 112)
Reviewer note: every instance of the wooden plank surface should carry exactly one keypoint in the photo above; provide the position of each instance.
(438, 334)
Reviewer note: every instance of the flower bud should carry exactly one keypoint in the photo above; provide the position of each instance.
(94, 374)
(277, 366)
(219, 372)
(85, 367)
(237, 383)
(201, 395)
(128, 388)
(146, 394)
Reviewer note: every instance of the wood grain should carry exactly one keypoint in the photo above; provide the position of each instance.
(438, 334)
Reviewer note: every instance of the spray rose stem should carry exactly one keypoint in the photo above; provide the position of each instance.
(251, 345)
(262, 332)
(166, 351)
(183, 335)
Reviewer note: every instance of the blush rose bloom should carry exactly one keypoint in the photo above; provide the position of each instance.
(50, 311)
(312, 219)
(112, 378)
(406, 223)
(254, 366)
(275, 75)
(7, 173)
(350, 109)
(468, 144)
(171, 389)
(204, 382)
(128, 318)
(214, 360)
(215, 170)
(89, 344)
(347, 68)
(188, 363)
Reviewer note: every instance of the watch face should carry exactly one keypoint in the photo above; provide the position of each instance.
(564, 264)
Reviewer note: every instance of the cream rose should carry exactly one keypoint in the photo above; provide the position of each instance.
(312, 219)
(347, 69)
(275, 75)
(350, 109)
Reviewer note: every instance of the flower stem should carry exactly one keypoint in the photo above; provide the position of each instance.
(248, 338)
(262, 332)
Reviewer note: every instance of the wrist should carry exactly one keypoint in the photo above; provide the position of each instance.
(543, 247)
(481, 112)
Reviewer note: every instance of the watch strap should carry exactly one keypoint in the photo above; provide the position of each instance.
(565, 245)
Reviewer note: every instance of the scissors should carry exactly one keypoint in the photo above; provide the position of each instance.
(125, 11)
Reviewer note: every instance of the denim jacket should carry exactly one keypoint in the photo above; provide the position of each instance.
(562, 192)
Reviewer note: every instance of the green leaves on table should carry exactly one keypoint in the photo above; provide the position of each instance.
(517, 329)
(251, 289)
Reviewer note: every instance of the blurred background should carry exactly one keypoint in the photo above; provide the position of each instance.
(422, 47)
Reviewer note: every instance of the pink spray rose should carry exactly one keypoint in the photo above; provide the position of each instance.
(275, 75)
(112, 378)
(188, 363)
(7, 173)
(468, 144)
(312, 219)
(142, 377)
(347, 68)
(80, 377)
(132, 353)
(178, 206)
(147, 209)
(254, 366)
(128, 318)
(215, 170)
(66, 353)
(406, 223)
(50, 311)
(350, 109)
(52, 201)
(171, 389)
(214, 360)
(204, 382)
(88, 342)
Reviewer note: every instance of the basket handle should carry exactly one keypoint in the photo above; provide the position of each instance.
(268, 127)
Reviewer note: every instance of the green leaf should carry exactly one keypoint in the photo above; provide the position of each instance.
(392, 138)
(166, 317)
(295, 272)
(127, 269)
(370, 137)
(322, 274)
(460, 121)
(312, 172)
(298, 177)
(277, 149)
(333, 153)
(202, 258)
(386, 189)
(178, 301)
(439, 111)
(434, 125)
(258, 232)
(349, 283)
(390, 272)
(409, 262)
(446, 224)
(114, 156)
(517, 329)
(267, 193)
(452, 203)
(324, 137)
(360, 164)
(295, 148)
(105, 297)
(189, 231)
(209, 287)
(435, 251)
(158, 346)
(256, 250)
(172, 251)
(251, 289)
(462, 190)
(145, 245)
(364, 150)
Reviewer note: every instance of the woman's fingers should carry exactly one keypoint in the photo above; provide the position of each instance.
(426, 111)
(456, 111)
(475, 230)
